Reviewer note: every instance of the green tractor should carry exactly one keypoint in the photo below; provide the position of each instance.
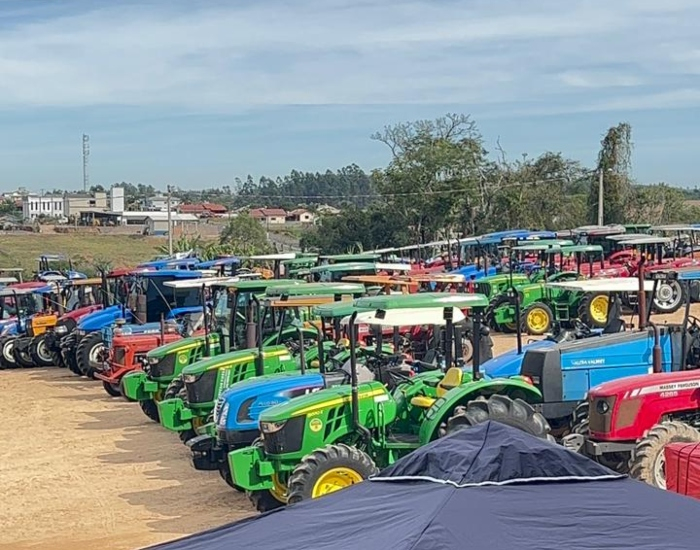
(189, 399)
(318, 443)
(235, 324)
(539, 304)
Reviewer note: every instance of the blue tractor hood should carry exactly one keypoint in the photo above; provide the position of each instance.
(102, 318)
(509, 363)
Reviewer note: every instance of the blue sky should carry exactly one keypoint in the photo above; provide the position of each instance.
(197, 93)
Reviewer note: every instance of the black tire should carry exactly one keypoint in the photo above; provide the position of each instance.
(40, 353)
(225, 473)
(23, 358)
(500, 408)
(647, 463)
(579, 420)
(670, 296)
(489, 319)
(186, 435)
(315, 465)
(540, 311)
(467, 348)
(111, 389)
(587, 314)
(263, 501)
(7, 356)
(57, 359)
(176, 385)
(88, 348)
(150, 409)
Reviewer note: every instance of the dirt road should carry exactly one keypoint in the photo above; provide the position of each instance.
(79, 469)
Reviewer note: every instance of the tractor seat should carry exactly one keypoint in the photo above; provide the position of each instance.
(452, 379)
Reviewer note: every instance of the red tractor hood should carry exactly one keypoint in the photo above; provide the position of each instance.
(646, 384)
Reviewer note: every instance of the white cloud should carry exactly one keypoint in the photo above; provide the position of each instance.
(228, 56)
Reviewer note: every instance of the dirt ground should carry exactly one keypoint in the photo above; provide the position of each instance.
(79, 469)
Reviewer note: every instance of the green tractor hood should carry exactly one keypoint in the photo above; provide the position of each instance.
(179, 345)
(234, 358)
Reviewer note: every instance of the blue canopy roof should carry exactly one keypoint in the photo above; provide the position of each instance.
(491, 487)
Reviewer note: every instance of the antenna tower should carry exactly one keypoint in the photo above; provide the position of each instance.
(86, 156)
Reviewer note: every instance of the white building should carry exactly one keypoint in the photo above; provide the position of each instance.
(159, 203)
(34, 206)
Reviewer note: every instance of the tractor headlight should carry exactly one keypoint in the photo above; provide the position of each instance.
(602, 407)
(271, 427)
(61, 330)
(153, 360)
(191, 378)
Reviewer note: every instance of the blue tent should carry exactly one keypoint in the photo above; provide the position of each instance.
(488, 487)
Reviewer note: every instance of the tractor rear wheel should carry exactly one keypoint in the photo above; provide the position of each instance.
(87, 355)
(500, 408)
(648, 462)
(112, 389)
(327, 470)
(150, 409)
(7, 356)
(536, 319)
(593, 310)
(670, 296)
(39, 352)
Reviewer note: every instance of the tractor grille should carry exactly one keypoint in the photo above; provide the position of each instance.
(107, 336)
(164, 368)
(118, 355)
(600, 414)
(202, 391)
(287, 440)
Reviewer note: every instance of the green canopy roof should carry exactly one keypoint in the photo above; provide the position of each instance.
(261, 284)
(337, 310)
(349, 267)
(301, 261)
(314, 289)
(362, 257)
(423, 299)
(543, 245)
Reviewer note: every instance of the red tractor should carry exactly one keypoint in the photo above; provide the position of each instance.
(625, 424)
(128, 352)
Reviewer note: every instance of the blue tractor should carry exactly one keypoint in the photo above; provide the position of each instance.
(146, 300)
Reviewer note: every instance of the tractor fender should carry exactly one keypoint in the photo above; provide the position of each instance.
(444, 407)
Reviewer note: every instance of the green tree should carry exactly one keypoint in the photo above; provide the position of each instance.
(614, 162)
(244, 236)
(435, 174)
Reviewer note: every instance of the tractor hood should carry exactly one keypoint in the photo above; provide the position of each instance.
(509, 363)
(76, 314)
(176, 347)
(101, 319)
(323, 399)
(644, 384)
(234, 358)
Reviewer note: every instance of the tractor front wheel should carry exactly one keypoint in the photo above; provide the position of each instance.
(593, 310)
(7, 355)
(536, 319)
(670, 296)
(174, 388)
(150, 409)
(648, 463)
(499, 301)
(327, 470)
(23, 358)
(87, 355)
(39, 352)
(500, 408)
(112, 389)
(263, 501)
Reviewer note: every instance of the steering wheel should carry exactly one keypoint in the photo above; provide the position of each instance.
(581, 327)
(400, 376)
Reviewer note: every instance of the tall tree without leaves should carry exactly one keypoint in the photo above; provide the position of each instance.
(614, 161)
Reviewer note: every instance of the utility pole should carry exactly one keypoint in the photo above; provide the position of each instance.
(170, 225)
(600, 196)
(86, 157)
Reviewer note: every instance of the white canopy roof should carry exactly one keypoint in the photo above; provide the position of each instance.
(621, 284)
(198, 283)
(406, 317)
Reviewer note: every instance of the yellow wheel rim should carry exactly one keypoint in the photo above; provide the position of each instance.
(279, 489)
(334, 480)
(538, 320)
(599, 309)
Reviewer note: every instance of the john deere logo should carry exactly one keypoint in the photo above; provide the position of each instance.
(315, 425)
(182, 359)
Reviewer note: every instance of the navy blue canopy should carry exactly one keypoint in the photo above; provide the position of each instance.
(488, 487)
